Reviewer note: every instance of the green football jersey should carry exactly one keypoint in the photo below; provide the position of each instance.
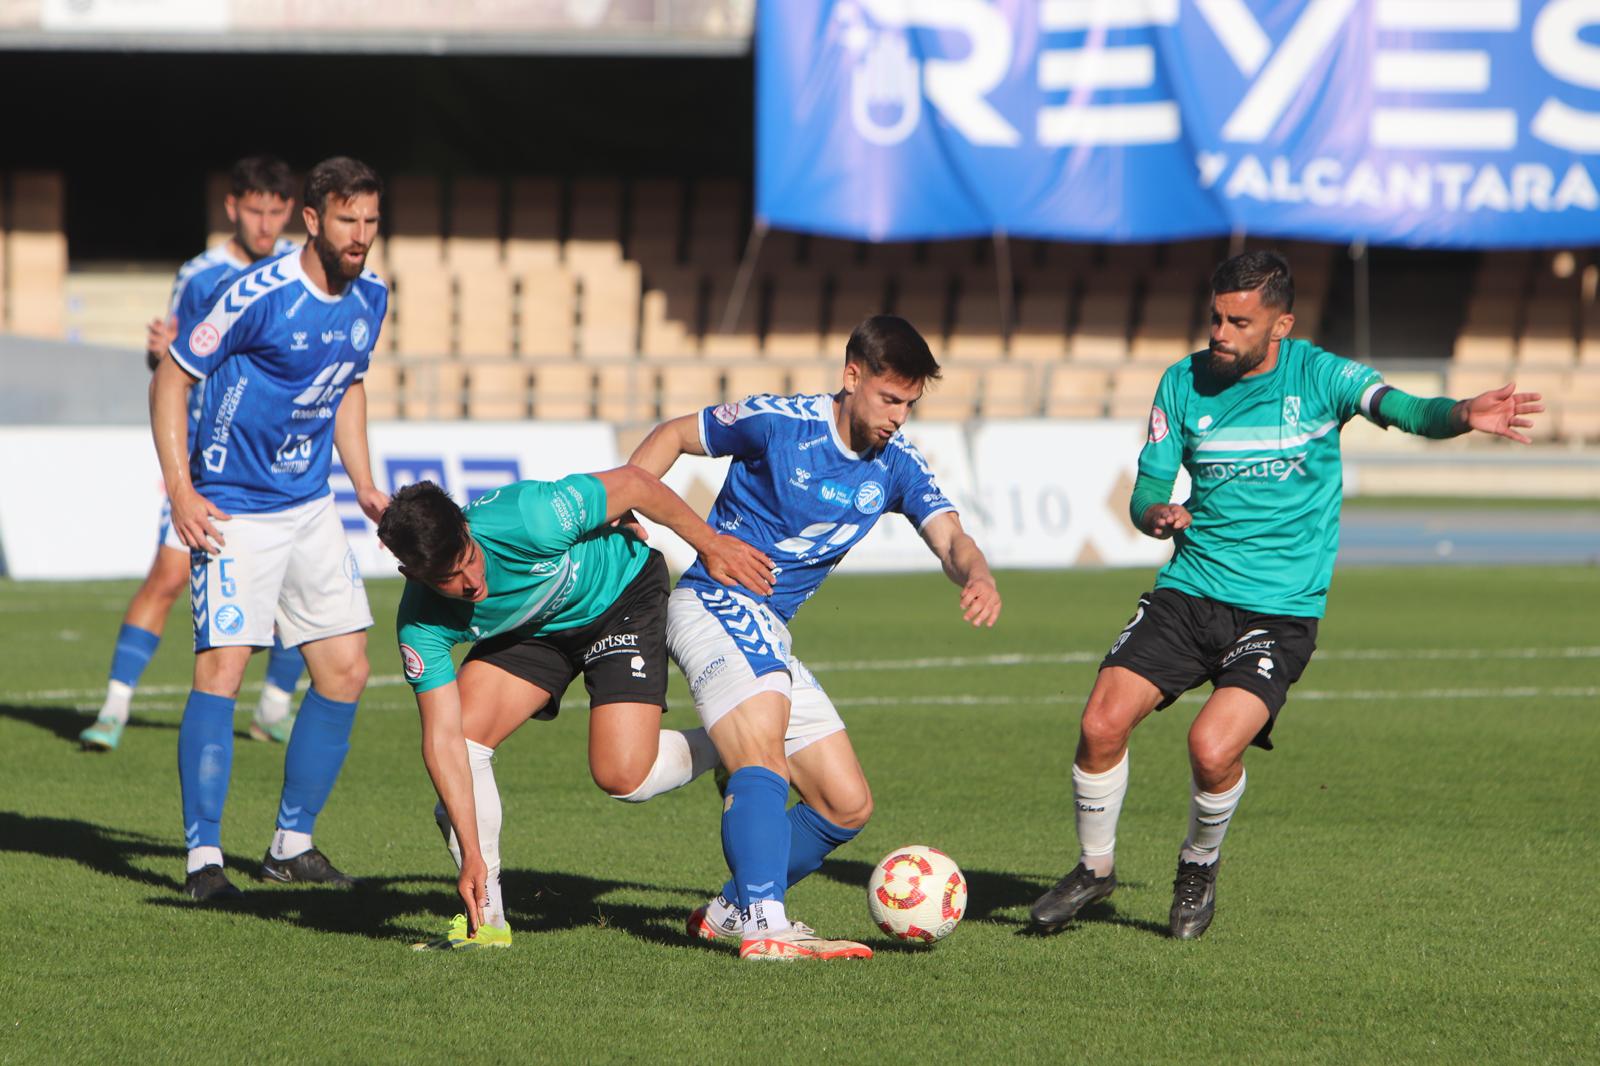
(550, 562)
(1263, 456)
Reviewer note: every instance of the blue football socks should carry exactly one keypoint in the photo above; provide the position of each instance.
(812, 838)
(134, 648)
(755, 835)
(317, 748)
(205, 762)
(284, 666)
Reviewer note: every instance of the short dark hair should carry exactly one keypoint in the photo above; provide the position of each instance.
(1266, 271)
(425, 530)
(890, 343)
(340, 177)
(262, 173)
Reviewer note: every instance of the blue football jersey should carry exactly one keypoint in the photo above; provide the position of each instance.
(276, 354)
(197, 281)
(796, 491)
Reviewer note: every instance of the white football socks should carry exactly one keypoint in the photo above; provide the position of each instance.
(724, 914)
(1098, 800)
(274, 705)
(680, 758)
(486, 798)
(764, 918)
(286, 844)
(1209, 814)
(119, 698)
(200, 858)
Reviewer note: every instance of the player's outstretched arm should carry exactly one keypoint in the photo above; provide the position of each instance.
(728, 559)
(444, 752)
(1501, 412)
(964, 563)
(169, 425)
(350, 437)
(662, 445)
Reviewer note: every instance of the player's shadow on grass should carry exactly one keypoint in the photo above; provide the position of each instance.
(100, 848)
(998, 897)
(67, 724)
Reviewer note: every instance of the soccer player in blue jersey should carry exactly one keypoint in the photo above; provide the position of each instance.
(810, 477)
(258, 205)
(1255, 419)
(282, 351)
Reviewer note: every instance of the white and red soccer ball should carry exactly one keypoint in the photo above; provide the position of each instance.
(917, 893)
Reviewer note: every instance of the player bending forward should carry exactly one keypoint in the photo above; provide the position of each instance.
(258, 206)
(810, 476)
(1255, 420)
(531, 576)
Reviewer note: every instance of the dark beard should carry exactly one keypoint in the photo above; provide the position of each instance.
(1230, 370)
(333, 265)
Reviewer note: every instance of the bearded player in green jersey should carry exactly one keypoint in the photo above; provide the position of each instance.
(1255, 420)
(534, 577)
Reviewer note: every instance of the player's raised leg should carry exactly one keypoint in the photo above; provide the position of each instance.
(274, 714)
(1120, 700)
(136, 644)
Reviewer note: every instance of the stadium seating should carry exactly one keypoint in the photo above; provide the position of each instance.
(36, 254)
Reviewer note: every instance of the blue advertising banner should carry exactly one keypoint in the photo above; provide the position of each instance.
(1443, 123)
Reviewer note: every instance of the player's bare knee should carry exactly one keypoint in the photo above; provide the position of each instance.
(1212, 758)
(1105, 730)
(854, 814)
(622, 777)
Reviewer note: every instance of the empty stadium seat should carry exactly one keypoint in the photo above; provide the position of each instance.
(1549, 333)
(954, 397)
(655, 231)
(687, 387)
(484, 301)
(808, 379)
(498, 390)
(533, 237)
(422, 306)
(383, 386)
(594, 237)
(414, 232)
(1040, 331)
(856, 294)
(549, 307)
(670, 319)
(716, 222)
(474, 242)
(753, 378)
(1010, 390)
(36, 250)
(742, 339)
(1589, 347)
(1578, 418)
(1167, 320)
(609, 309)
(922, 297)
(978, 332)
(1100, 328)
(1486, 336)
(794, 318)
(625, 392)
(435, 389)
(1076, 391)
(563, 391)
(1133, 388)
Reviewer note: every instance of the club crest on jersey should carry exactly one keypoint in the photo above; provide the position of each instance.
(204, 339)
(412, 662)
(727, 413)
(1291, 410)
(228, 619)
(1158, 425)
(869, 497)
(360, 335)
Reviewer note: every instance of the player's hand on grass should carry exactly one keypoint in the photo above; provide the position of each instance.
(474, 889)
(1502, 412)
(1162, 520)
(733, 562)
(374, 501)
(980, 601)
(191, 517)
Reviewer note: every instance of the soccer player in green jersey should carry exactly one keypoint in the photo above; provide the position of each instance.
(1255, 420)
(534, 577)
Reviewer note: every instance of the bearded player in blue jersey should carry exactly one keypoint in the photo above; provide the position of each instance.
(258, 205)
(282, 351)
(1255, 420)
(810, 477)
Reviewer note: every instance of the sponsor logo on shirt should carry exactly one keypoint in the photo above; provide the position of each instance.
(331, 335)
(1271, 469)
(293, 455)
(834, 493)
(869, 498)
(412, 662)
(801, 478)
(300, 344)
(1158, 425)
(360, 335)
(1204, 423)
(812, 443)
(545, 567)
(727, 413)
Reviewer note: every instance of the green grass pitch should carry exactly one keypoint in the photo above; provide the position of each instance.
(1412, 876)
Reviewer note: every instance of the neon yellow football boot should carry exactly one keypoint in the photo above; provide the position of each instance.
(489, 936)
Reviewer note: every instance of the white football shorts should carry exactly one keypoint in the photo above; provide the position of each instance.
(293, 568)
(731, 648)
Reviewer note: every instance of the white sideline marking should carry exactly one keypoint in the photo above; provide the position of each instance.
(1354, 695)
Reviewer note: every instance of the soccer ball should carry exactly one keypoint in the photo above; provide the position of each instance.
(917, 893)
